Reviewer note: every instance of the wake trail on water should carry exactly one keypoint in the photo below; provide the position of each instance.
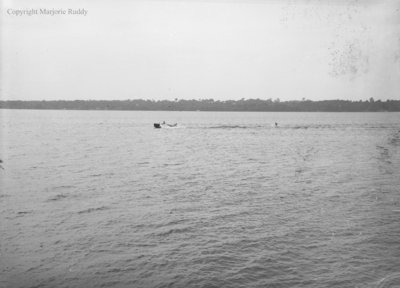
(396, 138)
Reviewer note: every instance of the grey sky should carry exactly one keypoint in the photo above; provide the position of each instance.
(222, 49)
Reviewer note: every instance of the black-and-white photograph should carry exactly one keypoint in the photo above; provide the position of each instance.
(200, 143)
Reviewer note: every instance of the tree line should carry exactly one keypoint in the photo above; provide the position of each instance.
(210, 105)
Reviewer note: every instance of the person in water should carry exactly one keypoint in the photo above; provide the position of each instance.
(276, 124)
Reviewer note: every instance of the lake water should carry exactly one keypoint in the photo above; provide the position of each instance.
(102, 199)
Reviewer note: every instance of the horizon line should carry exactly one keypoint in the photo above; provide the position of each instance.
(205, 99)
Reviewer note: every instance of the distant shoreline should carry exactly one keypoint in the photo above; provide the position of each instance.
(243, 105)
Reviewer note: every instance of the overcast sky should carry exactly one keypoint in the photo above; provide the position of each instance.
(191, 49)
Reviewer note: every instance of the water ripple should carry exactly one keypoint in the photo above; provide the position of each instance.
(227, 200)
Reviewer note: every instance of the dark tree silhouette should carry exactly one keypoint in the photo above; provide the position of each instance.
(211, 105)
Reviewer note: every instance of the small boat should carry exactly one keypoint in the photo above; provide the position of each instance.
(159, 125)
